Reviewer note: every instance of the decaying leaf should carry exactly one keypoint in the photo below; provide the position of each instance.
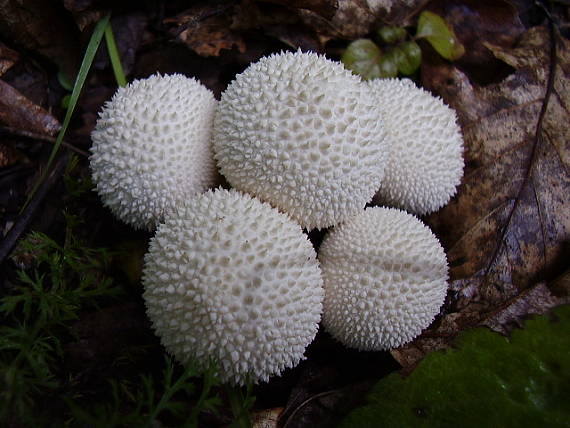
(506, 230)
(8, 155)
(511, 216)
(206, 30)
(531, 301)
(41, 26)
(17, 111)
(561, 285)
(278, 20)
(87, 18)
(324, 8)
(8, 58)
(267, 418)
(353, 19)
(471, 303)
(356, 18)
(296, 36)
(77, 5)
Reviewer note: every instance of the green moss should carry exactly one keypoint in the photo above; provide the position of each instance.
(488, 380)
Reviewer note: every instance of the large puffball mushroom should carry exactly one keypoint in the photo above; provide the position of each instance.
(299, 131)
(228, 278)
(426, 162)
(385, 279)
(151, 147)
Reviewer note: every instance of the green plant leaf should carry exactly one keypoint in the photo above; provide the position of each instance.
(391, 35)
(388, 65)
(407, 57)
(65, 101)
(489, 380)
(435, 30)
(64, 81)
(363, 57)
(77, 87)
(114, 56)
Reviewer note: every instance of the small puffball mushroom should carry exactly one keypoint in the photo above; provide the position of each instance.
(426, 162)
(151, 147)
(228, 278)
(299, 131)
(385, 278)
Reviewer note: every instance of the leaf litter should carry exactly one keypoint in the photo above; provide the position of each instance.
(507, 230)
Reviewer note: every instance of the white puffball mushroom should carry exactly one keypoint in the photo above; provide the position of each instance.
(385, 278)
(426, 163)
(228, 278)
(151, 147)
(302, 133)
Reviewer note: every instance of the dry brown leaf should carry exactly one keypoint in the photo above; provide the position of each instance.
(352, 19)
(278, 20)
(8, 155)
(206, 30)
(500, 307)
(511, 217)
(77, 5)
(507, 228)
(8, 58)
(531, 301)
(561, 285)
(324, 8)
(17, 111)
(87, 18)
(356, 18)
(41, 26)
(267, 418)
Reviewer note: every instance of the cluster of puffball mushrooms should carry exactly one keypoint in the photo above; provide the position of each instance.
(230, 275)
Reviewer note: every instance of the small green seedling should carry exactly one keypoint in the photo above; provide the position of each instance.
(397, 52)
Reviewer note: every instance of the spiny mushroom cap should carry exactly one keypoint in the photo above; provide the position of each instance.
(426, 162)
(151, 147)
(385, 278)
(230, 279)
(302, 133)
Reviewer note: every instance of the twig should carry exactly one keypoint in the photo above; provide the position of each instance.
(307, 401)
(6, 130)
(199, 17)
(9, 242)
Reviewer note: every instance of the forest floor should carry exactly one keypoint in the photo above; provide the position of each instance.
(76, 346)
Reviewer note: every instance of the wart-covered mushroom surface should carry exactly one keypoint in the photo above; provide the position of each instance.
(151, 147)
(301, 132)
(230, 279)
(426, 161)
(385, 277)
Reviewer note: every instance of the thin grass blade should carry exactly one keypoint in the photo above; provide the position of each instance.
(92, 47)
(114, 56)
